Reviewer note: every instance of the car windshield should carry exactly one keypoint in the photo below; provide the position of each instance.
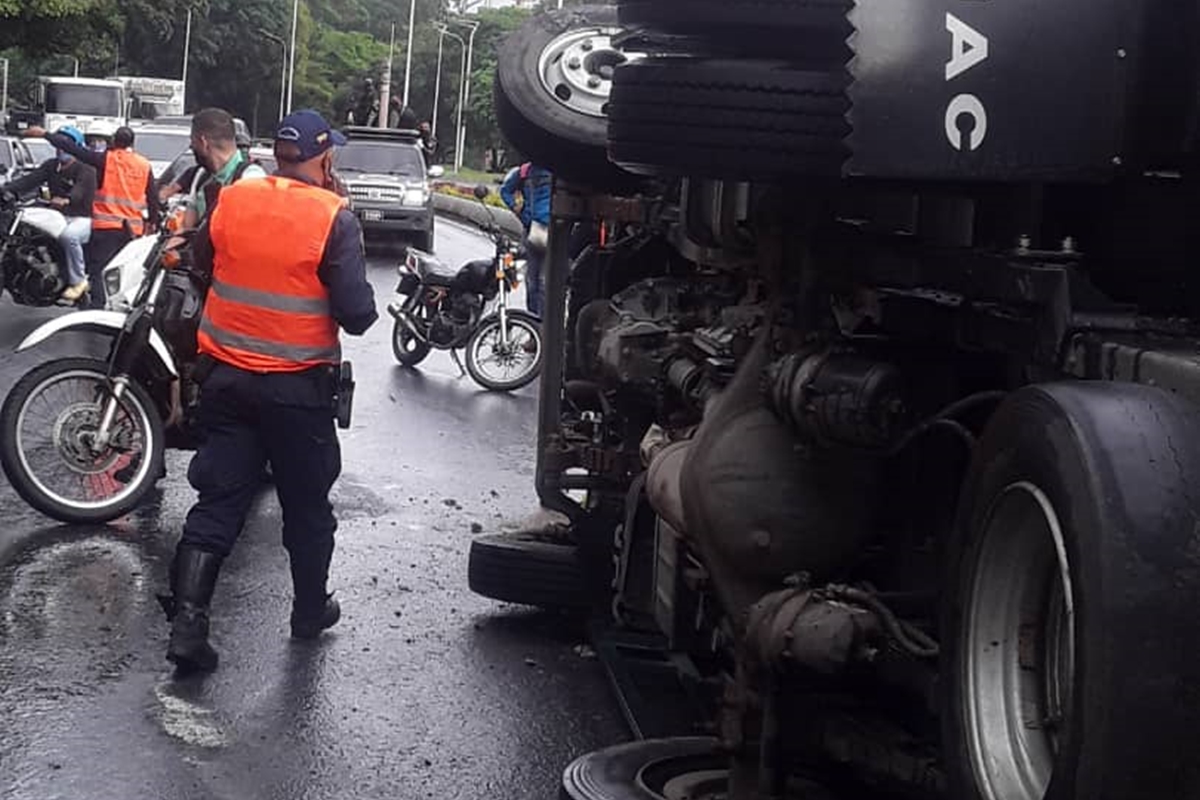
(161, 146)
(380, 157)
(40, 149)
(96, 101)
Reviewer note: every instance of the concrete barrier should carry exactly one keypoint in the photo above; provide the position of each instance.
(473, 213)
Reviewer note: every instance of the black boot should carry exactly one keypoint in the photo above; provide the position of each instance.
(194, 576)
(308, 624)
(313, 609)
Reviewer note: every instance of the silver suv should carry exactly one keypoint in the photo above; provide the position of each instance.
(385, 172)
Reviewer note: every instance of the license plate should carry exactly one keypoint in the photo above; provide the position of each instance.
(371, 215)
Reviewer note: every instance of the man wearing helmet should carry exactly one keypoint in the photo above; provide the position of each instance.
(72, 186)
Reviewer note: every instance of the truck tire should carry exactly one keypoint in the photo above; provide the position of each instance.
(550, 112)
(810, 29)
(738, 120)
(1072, 585)
(527, 568)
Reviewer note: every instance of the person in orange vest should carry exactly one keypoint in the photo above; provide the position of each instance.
(287, 270)
(125, 204)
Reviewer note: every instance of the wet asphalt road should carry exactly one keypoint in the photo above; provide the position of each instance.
(423, 690)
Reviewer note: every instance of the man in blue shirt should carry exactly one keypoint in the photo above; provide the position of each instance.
(533, 184)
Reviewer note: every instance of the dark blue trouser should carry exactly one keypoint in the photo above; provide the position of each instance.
(534, 290)
(248, 420)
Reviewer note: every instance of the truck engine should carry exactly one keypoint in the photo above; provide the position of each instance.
(871, 405)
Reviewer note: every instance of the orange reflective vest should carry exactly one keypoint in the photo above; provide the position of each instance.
(267, 310)
(122, 198)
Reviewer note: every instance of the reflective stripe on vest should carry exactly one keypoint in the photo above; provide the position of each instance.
(267, 310)
(122, 198)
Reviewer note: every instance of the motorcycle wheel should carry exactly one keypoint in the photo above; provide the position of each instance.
(408, 349)
(45, 425)
(503, 368)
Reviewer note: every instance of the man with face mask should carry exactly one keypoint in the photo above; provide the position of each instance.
(215, 146)
(72, 186)
(288, 270)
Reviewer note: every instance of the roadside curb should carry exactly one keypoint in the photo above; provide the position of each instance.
(475, 214)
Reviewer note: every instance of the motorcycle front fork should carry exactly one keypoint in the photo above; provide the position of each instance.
(104, 433)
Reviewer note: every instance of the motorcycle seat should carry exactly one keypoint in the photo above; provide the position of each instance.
(430, 270)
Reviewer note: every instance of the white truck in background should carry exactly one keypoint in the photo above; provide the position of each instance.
(148, 98)
(94, 106)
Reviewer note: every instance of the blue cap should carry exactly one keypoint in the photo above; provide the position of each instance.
(309, 131)
(75, 134)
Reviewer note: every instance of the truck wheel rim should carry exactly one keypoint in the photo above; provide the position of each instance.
(50, 442)
(1018, 656)
(576, 69)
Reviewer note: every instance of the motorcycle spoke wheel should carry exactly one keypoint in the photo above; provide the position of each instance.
(498, 364)
(55, 433)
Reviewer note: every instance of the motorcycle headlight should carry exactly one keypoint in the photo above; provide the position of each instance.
(112, 281)
(414, 197)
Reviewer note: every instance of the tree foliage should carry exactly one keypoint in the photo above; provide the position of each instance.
(237, 52)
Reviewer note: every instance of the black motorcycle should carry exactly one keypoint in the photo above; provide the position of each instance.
(468, 309)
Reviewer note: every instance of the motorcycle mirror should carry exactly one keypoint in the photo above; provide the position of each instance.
(481, 192)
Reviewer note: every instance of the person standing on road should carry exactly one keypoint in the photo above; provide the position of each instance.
(533, 184)
(72, 186)
(215, 146)
(124, 193)
(288, 269)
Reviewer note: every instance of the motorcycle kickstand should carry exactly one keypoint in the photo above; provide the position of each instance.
(457, 362)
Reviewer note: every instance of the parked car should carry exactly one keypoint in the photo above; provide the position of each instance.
(16, 158)
(385, 173)
(161, 145)
(40, 149)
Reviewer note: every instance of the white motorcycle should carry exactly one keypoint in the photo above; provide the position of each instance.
(31, 256)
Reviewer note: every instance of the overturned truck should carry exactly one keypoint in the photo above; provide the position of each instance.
(873, 403)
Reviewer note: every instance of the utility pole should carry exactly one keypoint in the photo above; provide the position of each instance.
(187, 46)
(412, 16)
(292, 64)
(385, 86)
(4, 88)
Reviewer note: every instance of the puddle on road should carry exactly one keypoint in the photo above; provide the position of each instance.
(66, 615)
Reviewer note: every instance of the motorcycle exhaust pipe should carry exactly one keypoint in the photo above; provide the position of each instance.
(403, 318)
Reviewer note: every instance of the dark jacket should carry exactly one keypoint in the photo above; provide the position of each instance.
(343, 270)
(75, 181)
(99, 160)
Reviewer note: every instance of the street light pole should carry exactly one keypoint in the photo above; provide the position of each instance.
(466, 96)
(385, 86)
(461, 79)
(187, 47)
(437, 79)
(4, 88)
(282, 66)
(76, 60)
(292, 64)
(412, 16)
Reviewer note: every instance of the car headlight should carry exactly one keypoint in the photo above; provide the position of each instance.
(415, 197)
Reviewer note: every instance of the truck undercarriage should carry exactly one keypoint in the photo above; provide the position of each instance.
(893, 469)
